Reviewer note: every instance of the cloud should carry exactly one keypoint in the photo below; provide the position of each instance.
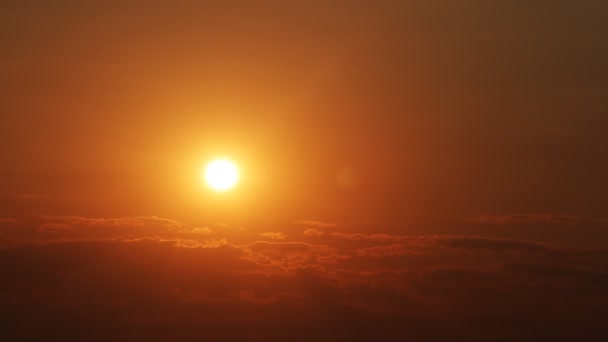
(201, 230)
(86, 228)
(274, 235)
(8, 221)
(54, 227)
(313, 223)
(196, 282)
(383, 251)
(462, 276)
(475, 243)
(313, 232)
(280, 248)
(138, 221)
(561, 272)
(526, 218)
(359, 236)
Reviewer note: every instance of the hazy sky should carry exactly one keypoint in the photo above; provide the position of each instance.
(442, 110)
(410, 170)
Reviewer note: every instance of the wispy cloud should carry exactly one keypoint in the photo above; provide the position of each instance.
(314, 223)
(313, 232)
(9, 221)
(54, 227)
(526, 218)
(201, 230)
(137, 221)
(274, 235)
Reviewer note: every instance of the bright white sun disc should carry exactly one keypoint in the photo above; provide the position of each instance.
(221, 174)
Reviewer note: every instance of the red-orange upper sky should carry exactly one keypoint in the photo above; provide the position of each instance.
(442, 111)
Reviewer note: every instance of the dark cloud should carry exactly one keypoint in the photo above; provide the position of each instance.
(598, 279)
(8, 221)
(527, 218)
(490, 244)
(340, 286)
(54, 227)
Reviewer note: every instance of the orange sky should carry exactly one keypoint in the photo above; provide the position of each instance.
(467, 129)
(443, 111)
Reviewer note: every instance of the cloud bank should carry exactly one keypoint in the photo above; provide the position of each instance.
(158, 279)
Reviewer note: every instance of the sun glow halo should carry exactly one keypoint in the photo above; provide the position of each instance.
(221, 174)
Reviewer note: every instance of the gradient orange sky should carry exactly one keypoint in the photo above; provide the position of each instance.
(469, 119)
(444, 110)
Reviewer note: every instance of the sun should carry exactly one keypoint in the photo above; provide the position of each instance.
(221, 174)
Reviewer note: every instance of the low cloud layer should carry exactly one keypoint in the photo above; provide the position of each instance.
(152, 278)
(527, 218)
